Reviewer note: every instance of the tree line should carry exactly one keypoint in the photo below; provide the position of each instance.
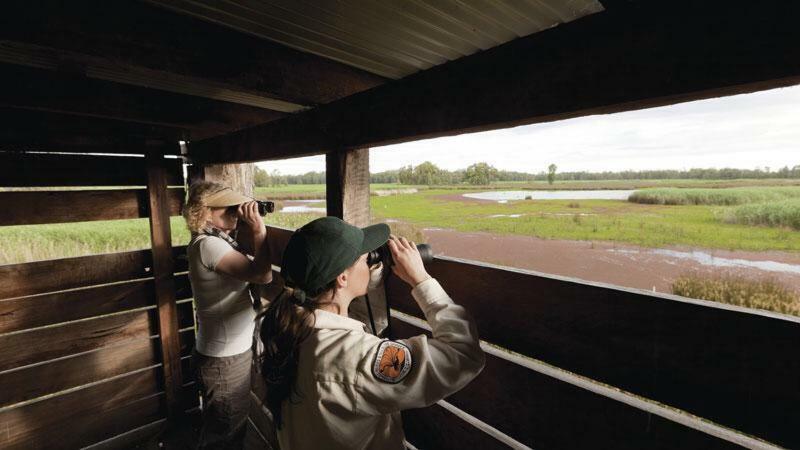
(483, 173)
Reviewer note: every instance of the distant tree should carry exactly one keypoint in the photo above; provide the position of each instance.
(551, 173)
(261, 177)
(405, 175)
(480, 173)
(428, 174)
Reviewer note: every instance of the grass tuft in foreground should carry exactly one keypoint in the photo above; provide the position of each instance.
(784, 213)
(726, 197)
(760, 294)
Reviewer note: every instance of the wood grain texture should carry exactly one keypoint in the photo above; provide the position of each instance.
(163, 278)
(35, 346)
(35, 381)
(70, 273)
(543, 412)
(86, 416)
(29, 207)
(29, 312)
(347, 185)
(20, 169)
(726, 365)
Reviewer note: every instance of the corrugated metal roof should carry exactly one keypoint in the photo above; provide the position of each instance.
(391, 38)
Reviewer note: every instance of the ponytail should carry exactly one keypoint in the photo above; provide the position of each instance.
(287, 322)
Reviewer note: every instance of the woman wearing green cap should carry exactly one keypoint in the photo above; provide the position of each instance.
(220, 272)
(331, 384)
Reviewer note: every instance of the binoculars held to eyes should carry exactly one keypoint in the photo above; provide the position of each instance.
(384, 255)
(265, 207)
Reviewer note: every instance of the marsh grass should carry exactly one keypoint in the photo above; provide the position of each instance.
(763, 293)
(726, 197)
(25, 243)
(597, 220)
(785, 213)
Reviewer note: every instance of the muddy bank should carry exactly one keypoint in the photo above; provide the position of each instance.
(623, 265)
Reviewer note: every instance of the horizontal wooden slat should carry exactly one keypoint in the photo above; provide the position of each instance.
(86, 416)
(69, 273)
(733, 367)
(61, 374)
(35, 381)
(543, 412)
(436, 428)
(20, 349)
(19, 169)
(29, 312)
(36, 207)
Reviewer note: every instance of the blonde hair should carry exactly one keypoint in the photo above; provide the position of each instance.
(196, 212)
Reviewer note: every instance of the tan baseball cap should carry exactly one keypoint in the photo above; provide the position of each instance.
(225, 197)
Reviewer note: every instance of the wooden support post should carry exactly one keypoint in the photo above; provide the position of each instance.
(163, 268)
(347, 180)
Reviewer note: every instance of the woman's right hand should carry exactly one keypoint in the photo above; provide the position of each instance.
(407, 261)
(248, 212)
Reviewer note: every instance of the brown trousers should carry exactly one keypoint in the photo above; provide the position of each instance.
(224, 383)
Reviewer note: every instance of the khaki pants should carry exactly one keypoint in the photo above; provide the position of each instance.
(225, 387)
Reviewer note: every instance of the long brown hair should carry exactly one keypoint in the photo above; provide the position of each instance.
(284, 326)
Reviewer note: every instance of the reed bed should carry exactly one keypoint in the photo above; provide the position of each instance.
(765, 293)
(785, 213)
(724, 197)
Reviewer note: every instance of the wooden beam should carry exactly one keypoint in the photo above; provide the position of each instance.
(69, 93)
(25, 130)
(38, 207)
(23, 169)
(634, 55)
(146, 45)
(163, 269)
(347, 185)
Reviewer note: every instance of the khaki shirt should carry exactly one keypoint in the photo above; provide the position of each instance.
(342, 402)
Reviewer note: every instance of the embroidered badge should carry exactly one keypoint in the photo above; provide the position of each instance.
(392, 363)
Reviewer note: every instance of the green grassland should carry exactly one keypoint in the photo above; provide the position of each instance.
(749, 226)
(593, 220)
(26, 243)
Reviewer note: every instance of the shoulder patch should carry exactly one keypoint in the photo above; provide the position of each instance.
(392, 362)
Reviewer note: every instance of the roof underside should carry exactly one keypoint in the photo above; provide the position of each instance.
(390, 38)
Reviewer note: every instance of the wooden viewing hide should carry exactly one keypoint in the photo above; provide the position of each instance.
(95, 350)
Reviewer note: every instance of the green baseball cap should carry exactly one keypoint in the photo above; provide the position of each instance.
(323, 248)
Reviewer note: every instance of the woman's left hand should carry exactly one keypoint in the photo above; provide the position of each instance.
(248, 212)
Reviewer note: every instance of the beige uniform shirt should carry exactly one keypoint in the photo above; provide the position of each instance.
(344, 404)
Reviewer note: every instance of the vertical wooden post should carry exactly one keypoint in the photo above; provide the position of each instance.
(163, 269)
(347, 180)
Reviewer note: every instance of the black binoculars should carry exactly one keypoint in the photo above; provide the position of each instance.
(384, 255)
(265, 207)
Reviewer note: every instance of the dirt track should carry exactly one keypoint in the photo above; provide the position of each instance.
(623, 265)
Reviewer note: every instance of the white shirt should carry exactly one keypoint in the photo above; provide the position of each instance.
(344, 405)
(225, 315)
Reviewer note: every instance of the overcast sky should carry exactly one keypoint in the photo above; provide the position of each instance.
(743, 131)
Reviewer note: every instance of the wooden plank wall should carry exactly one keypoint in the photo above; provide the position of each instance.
(80, 343)
(726, 365)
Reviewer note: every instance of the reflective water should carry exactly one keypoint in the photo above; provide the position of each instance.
(708, 259)
(504, 196)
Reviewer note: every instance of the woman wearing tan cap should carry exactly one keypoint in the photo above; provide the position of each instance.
(220, 272)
